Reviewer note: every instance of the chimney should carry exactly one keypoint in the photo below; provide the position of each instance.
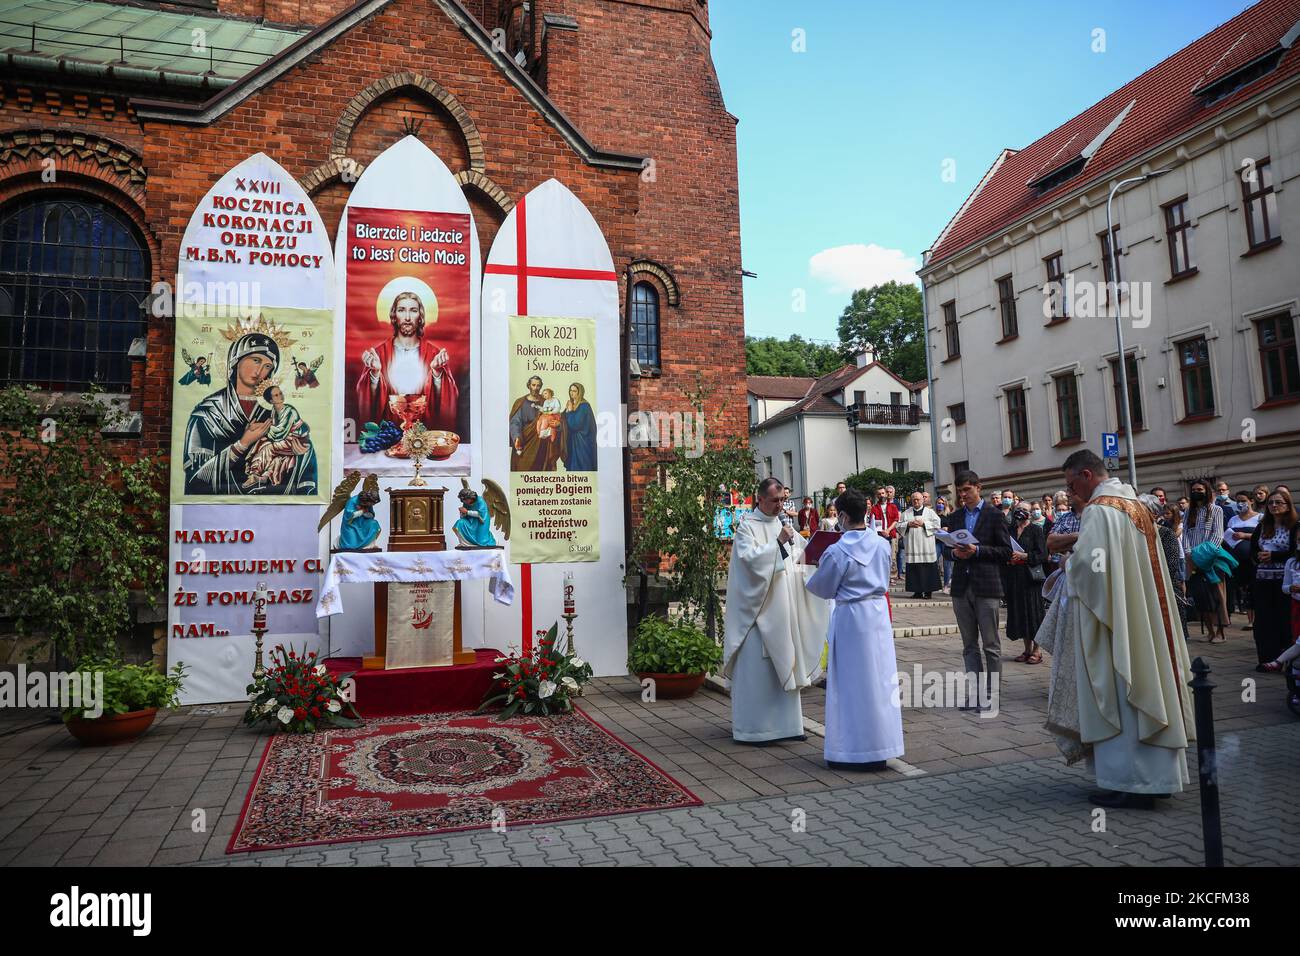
(865, 357)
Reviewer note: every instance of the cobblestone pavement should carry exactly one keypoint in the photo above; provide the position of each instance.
(998, 778)
(1032, 813)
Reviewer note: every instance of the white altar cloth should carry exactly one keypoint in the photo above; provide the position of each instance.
(359, 567)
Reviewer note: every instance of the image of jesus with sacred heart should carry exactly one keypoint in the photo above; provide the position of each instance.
(409, 362)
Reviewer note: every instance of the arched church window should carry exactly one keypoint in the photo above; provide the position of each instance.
(73, 273)
(645, 325)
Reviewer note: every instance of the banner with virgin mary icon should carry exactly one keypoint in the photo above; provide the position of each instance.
(554, 499)
(250, 418)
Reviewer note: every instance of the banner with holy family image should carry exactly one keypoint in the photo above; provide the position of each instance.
(553, 487)
(251, 418)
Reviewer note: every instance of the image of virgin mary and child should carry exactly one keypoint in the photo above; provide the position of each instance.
(545, 433)
(234, 445)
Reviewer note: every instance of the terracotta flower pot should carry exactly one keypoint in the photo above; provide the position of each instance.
(115, 729)
(674, 686)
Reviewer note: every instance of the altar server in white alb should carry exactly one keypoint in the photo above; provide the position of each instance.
(774, 627)
(1132, 669)
(864, 715)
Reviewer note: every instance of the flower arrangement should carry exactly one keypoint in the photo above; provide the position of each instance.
(545, 682)
(298, 694)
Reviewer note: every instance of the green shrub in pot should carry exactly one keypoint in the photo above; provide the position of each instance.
(127, 688)
(662, 646)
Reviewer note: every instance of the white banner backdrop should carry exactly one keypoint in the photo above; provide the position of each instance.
(255, 239)
(407, 175)
(567, 273)
(218, 562)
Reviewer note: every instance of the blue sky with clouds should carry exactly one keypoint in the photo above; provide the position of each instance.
(843, 146)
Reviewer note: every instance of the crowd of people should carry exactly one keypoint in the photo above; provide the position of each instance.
(1118, 694)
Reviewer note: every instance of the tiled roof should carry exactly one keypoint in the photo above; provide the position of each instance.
(1165, 105)
(778, 386)
(127, 39)
(817, 401)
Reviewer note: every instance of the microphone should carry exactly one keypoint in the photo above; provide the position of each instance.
(785, 523)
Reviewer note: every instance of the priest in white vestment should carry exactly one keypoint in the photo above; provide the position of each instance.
(1132, 667)
(864, 714)
(774, 629)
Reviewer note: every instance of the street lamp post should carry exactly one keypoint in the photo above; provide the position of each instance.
(1122, 364)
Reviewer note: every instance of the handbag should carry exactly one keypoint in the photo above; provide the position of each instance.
(1036, 573)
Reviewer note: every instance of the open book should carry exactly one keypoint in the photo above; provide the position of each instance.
(958, 538)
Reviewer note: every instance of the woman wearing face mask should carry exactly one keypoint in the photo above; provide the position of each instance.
(1023, 583)
(1039, 520)
(1237, 540)
(1204, 522)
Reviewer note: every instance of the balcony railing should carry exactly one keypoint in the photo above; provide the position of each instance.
(875, 414)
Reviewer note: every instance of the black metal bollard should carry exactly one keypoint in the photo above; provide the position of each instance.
(1211, 828)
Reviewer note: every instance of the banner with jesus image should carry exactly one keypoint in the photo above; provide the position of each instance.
(552, 428)
(250, 420)
(408, 336)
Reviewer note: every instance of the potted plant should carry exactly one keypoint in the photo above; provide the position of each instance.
(298, 694)
(544, 682)
(676, 655)
(119, 701)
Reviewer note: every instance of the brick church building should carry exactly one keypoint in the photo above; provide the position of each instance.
(117, 117)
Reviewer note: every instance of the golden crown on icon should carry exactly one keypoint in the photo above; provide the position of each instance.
(243, 326)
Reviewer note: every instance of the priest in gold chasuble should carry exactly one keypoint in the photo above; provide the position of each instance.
(1132, 666)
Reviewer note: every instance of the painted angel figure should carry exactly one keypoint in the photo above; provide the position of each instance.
(304, 375)
(199, 371)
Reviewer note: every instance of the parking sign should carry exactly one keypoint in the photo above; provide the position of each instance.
(1109, 445)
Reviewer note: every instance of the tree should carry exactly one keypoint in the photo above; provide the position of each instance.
(678, 523)
(81, 526)
(793, 356)
(889, 319)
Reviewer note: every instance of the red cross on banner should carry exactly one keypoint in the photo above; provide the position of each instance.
(522, 270)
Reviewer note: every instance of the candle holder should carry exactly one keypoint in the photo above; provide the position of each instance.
(570, 612)
(569, 618)
(260, 601)
(259, 671)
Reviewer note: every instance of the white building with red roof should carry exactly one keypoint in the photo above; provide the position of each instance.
(799, 430)
(1022, 343)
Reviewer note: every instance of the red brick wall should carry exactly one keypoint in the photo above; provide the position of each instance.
(294, 119)
(637, 77)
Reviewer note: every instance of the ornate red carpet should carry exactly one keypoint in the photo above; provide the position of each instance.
(408, 776)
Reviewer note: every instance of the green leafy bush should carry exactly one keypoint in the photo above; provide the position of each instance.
(81, 524)
(129, 687)
(672, 647)
(678, 523)
(869, 479)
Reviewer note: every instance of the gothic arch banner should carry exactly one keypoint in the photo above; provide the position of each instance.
(252, 425)
(550, 261)
(409, 347)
